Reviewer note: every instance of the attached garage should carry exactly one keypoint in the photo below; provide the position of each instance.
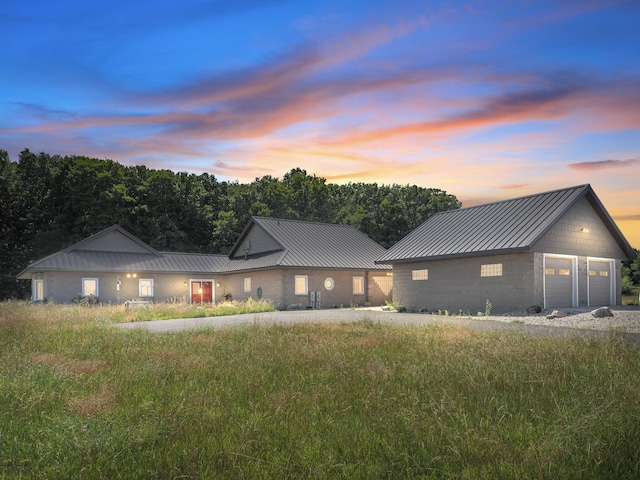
(601, 286)
(560, 281)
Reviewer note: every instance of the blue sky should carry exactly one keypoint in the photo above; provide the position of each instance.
(485, 100)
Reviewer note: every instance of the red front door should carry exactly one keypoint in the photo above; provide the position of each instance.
(201, 291)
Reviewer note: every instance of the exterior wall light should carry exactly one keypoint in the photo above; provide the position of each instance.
(584, 229)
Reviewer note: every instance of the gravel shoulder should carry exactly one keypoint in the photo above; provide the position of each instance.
(625, 319)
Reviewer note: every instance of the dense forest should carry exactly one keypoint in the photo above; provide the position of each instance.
(48, 202)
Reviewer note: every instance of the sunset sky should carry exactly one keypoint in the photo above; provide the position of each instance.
(483, 99)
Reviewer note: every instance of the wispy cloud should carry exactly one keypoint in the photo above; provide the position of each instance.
(602, 164)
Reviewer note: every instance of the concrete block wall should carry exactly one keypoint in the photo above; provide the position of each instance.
(270, 281)
(456, 285)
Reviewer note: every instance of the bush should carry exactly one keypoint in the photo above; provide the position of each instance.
(627, 286)
(90, 300)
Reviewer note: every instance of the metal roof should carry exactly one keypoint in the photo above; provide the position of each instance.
(309, 245)
(508, 226)
(162, 262)
(304, 244)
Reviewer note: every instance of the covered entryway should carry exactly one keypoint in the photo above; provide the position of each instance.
(202, 291)
(601, 281)
(560, 284)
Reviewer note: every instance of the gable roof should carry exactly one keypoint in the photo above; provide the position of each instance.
(297, 243)
(99, 253)
(114, 238)
(508, 226)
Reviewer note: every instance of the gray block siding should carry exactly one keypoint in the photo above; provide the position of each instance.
(63, 287)
(456, 285)
(269, 280)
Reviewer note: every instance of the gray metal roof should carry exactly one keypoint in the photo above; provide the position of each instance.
(508, 226)
(163, 262)
(303, 244)
(309, 245)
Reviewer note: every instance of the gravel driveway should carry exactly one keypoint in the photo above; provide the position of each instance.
(625, 322)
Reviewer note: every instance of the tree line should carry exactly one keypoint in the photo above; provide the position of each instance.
(48, 202)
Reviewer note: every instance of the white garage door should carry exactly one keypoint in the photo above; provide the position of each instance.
(558, 282)
(600, 282)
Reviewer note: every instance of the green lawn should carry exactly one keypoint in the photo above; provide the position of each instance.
(81, 399)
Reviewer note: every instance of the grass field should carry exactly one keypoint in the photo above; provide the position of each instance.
(633, 298)
(81, 399)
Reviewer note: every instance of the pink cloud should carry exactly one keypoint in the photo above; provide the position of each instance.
(601, 164)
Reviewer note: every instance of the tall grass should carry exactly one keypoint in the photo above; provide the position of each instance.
(632, 298)
(80, 399)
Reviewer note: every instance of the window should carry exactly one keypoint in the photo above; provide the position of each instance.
(592, 273)
(564, 272)
(603, 273)
(89, 287)
(145, 287)
(329, 283)
(491, 270)
(37, 291)
(549, 271)
(422, 274)
(247, 284)
(358, 285)
(302, 285)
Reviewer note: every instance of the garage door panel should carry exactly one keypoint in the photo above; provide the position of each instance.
(600, 281)
(559, 280)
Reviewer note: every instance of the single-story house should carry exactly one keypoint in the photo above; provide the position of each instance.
(558, 249)
(289, 262)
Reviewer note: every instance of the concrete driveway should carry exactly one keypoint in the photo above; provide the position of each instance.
(381, 317)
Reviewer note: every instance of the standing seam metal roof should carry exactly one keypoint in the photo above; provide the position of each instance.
(163, 262)
(310, 245)
(506, 226)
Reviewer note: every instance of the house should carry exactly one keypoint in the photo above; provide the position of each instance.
(557, 249)
(291, 261)
(286, 261)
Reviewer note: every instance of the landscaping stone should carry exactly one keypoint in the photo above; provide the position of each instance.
(534, 309)
(602, 312)
(556, 314)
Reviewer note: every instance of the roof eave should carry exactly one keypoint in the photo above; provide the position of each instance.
(484, 253)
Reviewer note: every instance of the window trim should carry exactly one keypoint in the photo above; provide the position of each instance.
(37, 290)
(152, 287)
(306, 285)
(85, 279)
(361, 281)
(329, 283)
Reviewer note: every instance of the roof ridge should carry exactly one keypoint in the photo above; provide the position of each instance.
(297, 220)
(506, 200)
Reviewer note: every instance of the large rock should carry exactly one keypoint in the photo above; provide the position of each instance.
(534, 309)
(556, 314)
(602, 312)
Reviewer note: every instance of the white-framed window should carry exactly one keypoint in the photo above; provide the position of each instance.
(358, 285)
(90, 287)
(491, 270)
(145, 287)
(247, 284)
(421, 274)
(329, 283)
(301, 285)
(37, 290)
